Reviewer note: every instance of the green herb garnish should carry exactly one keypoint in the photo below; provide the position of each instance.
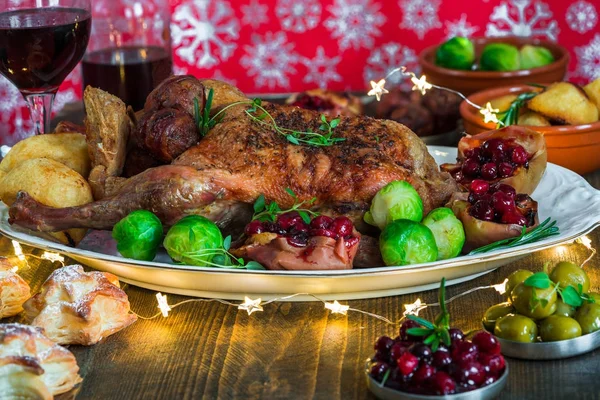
(542, 231)
(222, 258)
(203, 120)
(511, 115)
(269, 212)
(570, 295)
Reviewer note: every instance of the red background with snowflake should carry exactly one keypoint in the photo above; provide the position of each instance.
(267, 46)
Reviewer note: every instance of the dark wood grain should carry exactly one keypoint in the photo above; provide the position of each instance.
(297, 350)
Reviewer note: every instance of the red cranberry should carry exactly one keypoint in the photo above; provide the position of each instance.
(464, 351)
(502, 202)
(273, 228)
(384, 343)
(493, 364)
(441, 383)
(489, 379)
(470, 373)
(482, 210)
(254, 228)
(407, 363)
(505, 170)
(378, 370)
(474, 153)
(287, 220)
(423, 373)
(486, 342)
(342, 226)
(298, 239)
(441, 359)
(456, 334)
(398, 349)
(381, 356)
(514, 218)
(493, 146)
(479, 187)
(321, 222)
(489, 171)
(299, 226)
(422, 351)
(519, 155)
(470, 167)
(504, 188)
(406, 325)
(322, 232)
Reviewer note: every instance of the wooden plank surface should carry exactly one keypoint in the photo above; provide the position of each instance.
(296, 350)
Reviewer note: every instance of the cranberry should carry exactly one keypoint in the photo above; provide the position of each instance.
(422, 351)
(384, 343)
(322, 232)
(273, 228)
(507, 189)
(470, 373)
(479, 187)
(464, 351)
(441, 383)
(398, 349)
(406, 325)
(489, 379)
(254, 228)
(514, 218)
(502, 202)
(493, 146)
(505, 170)
(486, 342)
(493, 364)
(288, 220)
(519, 155)
(407, 363)
(298, 239)
(482, 210)
(321, 222)
(456, 334)
(441, 359)
(470, 167)
(342, 226)
(474, 153)
(299, 226)
(489, 171)
(381, 356)
(423, 373)
(378, 370)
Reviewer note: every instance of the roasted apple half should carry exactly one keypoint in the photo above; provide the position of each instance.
(327, 102)
(514, 155)
(289, 243)
(490, 213)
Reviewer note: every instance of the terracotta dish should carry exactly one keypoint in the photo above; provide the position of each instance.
(572, 146)
(468, 82)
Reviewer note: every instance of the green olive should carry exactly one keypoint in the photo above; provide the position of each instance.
(517, 328)
(564, 309)
(515, 278)
(494, 312)
(595, 296)
(558, 327)
(588, 316)
(523, 299)
(569, 274)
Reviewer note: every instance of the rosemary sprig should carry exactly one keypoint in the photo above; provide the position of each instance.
(570, 295)
(511, 115)
(269, 212)
(222, 258)
(203, 120)
(542, 231)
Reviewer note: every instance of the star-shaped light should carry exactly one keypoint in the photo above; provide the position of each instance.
(501, 287)
(53, 257)
(420, 84)
(18, 250)
(337, 308)
(584, 240)
(162, 304)
(378, 89)
(414, 308)
(489, 113)
(250, 305)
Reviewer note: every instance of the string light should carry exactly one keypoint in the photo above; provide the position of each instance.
(501, 287)
(53, 257)
(414, 308)
(584, 240)
(250, 305)
(420, 84)
(19, 251)
(162, 304)
(337, 308)
(378, 89)
(489, 113)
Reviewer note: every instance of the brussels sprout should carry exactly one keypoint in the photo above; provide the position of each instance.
(500, 57)
(396, 200)
(138, 235)
(188, 240)
(404, 242)
(447, 230)
(456, 53)
(535, 56)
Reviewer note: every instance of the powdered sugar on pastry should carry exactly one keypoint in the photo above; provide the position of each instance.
(14, 291)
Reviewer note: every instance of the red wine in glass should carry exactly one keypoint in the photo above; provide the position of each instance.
(38, 49)
(129, 73)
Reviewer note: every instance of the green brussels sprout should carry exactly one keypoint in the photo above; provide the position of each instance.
(535, 56)
(138, 235)
(500, 57)
(396, 200)
(188, 238)
(447, 230)
(404, 242)
(456, 53)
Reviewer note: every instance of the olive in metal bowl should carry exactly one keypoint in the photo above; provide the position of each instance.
(558, 327)
(588, 316)
(517, 328)
(515, 278)
(533, 302)
(568, 274)
(494, 313)
(564, 309)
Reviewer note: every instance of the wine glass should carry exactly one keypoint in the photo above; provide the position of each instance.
(41, 41)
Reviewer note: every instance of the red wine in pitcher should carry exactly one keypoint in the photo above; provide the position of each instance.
(127, 72)
(40, 47)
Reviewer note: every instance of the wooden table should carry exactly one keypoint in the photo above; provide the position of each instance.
(297, 350)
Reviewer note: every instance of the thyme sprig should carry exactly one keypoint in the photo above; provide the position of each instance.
(222, 258)
(542, 231)
(269, 212)
(569, 295)
(203, 120)
(510, 116)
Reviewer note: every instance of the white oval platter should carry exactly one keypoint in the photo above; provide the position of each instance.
(562, 195)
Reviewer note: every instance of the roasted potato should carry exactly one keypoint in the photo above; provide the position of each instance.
(566, 103)
(51, 183)
(502, 103)
(592, 89)
(69, 149)
(531, 118)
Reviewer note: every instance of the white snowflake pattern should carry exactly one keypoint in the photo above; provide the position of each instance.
(420, 16)
(62, 98)
(9, 97)
(354, 23)
(581, 16)
(269, 59)
(321, 69)
(460, 27)
(297, 16)
(218, 75)
(180, 70)
(520, 19)
(255, 14)
(588, 59)
(388, 57)
(200, 26)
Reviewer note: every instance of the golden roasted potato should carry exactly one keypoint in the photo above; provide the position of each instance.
(67, 148)
(592, 89)
(51, 183)
(531, 118)
(565, 102)
(502, 103)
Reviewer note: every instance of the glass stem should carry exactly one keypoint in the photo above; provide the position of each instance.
(40, 108)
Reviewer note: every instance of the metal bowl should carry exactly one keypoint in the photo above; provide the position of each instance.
(487, 392)
(550, 350)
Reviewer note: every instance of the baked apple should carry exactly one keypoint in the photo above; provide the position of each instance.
(514, 155)
(327, 102)
(289, 243)
(490, 213)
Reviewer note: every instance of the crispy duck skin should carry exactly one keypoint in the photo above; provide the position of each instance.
(240, 159)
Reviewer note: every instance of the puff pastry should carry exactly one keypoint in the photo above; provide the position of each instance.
(33, 365)
(14, 291)
(78, 307)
